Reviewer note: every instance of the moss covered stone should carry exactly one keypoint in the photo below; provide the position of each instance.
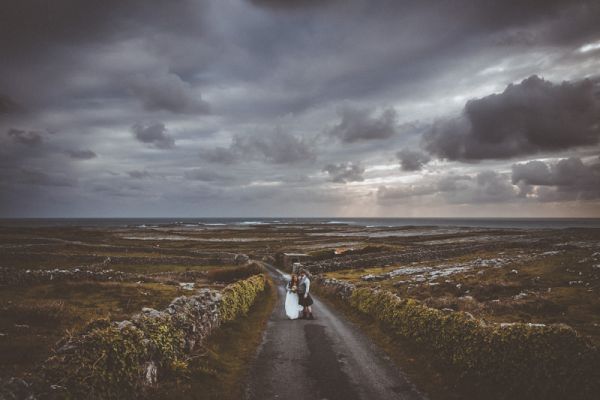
(239, 297)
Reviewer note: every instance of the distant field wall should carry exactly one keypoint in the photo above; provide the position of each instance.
(504, 361)
(385, 258)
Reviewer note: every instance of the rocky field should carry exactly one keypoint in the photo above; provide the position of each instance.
(55, 279)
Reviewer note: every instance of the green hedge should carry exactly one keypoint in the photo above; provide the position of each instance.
(239, 297)
(515, 361)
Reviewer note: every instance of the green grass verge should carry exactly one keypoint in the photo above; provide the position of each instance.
(217, 368)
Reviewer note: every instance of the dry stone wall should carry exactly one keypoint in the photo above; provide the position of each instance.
(508, 360)
(122, 359)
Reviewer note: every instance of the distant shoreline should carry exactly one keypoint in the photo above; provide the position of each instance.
(498, 222)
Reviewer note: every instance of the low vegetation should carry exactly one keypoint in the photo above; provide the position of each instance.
(34, 318)
(444, 276)
(223, 359)
(232, 274)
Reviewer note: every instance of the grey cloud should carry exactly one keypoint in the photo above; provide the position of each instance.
(154, 134)
(8, 106)
(290, 4)
(40, 178)
(167, 91)
(219, 155)
(491, 187)
(118, 191)
(530, 117)
(81, 154)
(206, 175)
(532, 173)
(411, 160)
(360, 124)
(485, 187)
(345, 172)
(137, 174)
(386, 193)
(38, 25)
(276, 147)
(28, 138)
(565, 179)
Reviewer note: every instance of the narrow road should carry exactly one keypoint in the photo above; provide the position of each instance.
(326, 358)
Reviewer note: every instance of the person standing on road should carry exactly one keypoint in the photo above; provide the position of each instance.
(304, 298)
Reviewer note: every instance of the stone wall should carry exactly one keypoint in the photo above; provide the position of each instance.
(499, 361)
(17, 276)
(120, 359)
(387, 258)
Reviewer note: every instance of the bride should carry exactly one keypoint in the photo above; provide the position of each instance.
(292, 308)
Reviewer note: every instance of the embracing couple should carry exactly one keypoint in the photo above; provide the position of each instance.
(298, 297)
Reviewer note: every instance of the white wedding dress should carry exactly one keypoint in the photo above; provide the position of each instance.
(292, 308)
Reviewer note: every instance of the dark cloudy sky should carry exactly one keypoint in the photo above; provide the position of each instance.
(299, 108)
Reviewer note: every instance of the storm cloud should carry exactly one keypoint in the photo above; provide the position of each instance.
(153, 134)
(357, 124)
(28, 138)
(167, 91)
(530, 117)
(566, 178)
(412, 160)
(81, 154)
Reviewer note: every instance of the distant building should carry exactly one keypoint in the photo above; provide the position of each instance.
(291, 259)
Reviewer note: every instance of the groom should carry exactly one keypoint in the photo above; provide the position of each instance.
(304, 298)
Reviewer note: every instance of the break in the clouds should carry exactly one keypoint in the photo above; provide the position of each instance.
(299, 108)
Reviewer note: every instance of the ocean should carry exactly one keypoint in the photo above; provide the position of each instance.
(524, 223)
